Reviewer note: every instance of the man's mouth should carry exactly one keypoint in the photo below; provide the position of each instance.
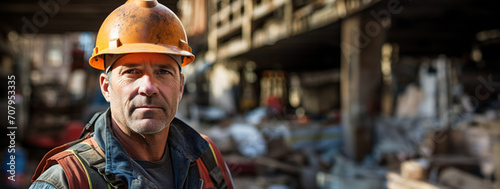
(149, 107)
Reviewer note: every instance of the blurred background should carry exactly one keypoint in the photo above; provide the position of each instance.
(296, 93)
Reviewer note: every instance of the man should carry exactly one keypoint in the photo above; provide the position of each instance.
(137, 142)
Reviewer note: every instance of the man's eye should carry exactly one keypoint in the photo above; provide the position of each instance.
(130, 71)
(163, 72)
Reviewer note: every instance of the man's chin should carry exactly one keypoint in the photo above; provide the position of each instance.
(149, 126)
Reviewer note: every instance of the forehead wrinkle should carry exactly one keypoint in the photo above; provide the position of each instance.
(131, 65)
(151, 61)
(165, 65)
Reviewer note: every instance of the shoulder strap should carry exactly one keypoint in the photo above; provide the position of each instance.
(70, 163)
(45, 164)
(94, 161)
(56, 152)
(212, 168)
(90, 154)
(84, 166)
(89, 127)
(78, 158)
(204, 175)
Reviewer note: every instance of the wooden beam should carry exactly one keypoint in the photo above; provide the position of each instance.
(360, 81)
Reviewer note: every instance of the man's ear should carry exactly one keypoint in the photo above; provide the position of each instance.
(182, 87)
(105, 86)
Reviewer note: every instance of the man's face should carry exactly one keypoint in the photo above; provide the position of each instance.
(143, 91)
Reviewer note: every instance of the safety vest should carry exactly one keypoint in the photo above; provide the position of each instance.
(83, 162)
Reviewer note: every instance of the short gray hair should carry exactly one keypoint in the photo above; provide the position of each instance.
(108, 75)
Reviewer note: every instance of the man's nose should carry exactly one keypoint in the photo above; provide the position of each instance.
(147, 86)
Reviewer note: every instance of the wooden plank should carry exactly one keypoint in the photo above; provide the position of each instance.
(396, 181)
(223, 14)
(276, 164)
(232, 48)
(229, 27)
(413, 169)
(272, 31)
(453, 159)
(458, 179)
(263, 9)
(236, 7)
(327, 15)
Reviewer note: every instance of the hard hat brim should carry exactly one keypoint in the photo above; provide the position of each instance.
(97, 61)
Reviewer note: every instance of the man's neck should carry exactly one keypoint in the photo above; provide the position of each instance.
(143, 147)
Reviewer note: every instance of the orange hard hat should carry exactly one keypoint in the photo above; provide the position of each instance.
(141, 26)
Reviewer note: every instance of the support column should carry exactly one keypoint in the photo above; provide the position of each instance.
(361, 40)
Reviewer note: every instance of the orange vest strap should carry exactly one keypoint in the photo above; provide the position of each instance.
(204, 175)
(44, 164)
(75, 172)
(70, 164)
(76, 163)
(209, 157)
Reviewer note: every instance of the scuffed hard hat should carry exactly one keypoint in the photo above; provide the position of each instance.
(141, 26)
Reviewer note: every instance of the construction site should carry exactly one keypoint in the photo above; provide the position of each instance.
(327, 94)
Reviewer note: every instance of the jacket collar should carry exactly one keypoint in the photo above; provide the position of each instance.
(186, 140)
(186, 146)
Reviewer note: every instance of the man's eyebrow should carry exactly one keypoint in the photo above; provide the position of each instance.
(131, 65)
(157, 66)
(165, 66)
